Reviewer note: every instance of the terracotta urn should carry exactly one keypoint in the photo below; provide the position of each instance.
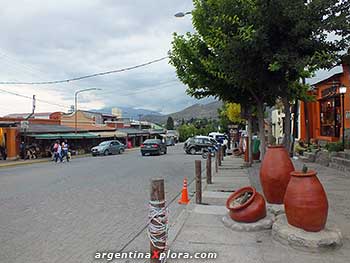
(275, 173)
(251, 210)
(305, 202)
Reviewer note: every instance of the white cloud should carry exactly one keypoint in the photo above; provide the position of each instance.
(47, 40)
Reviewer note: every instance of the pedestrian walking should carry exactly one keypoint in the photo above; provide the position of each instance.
(65, 152)
(57, 149)
(22, 148)
(3, 152)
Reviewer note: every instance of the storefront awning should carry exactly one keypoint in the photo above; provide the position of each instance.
(53, 136)
(110, 134)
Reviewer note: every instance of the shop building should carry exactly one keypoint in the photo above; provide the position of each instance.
(322, 119)
(9, 138)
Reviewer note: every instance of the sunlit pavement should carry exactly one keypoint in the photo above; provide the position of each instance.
(65, 212)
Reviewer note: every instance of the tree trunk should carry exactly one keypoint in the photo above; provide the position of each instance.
(306, 118)
(306, 124)
(269, 127)
(295, 124)
(250, 135)
(260, 109)
(287, 123)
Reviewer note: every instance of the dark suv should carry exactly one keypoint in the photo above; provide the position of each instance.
(197, 144)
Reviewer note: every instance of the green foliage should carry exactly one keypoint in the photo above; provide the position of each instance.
(246, 50)
(186, 131)
(169, 123)
(233, 113)
(334, 146)
(196, 127)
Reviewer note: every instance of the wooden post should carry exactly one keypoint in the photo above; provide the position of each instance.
(198, 170)
(246, 153)
(158, 195)
(219, 153)
(209, 181)
(222, 153)
(217, 162)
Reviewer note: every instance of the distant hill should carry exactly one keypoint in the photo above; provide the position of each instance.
(132, 113)
(199, 111)
(209, 111)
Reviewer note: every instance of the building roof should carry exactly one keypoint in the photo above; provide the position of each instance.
(337, 75)
(48, 128)
(56, 136)
(25, 115)
(133, 131)
(110, 134)
(8, 124)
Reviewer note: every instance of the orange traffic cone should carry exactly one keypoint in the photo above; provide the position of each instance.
(184, 195)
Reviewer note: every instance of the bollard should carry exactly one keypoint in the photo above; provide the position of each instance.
(222, 153)
(217, 162)
(157, 200)
(198, 170)
(219, 155)
(246, 153)
(209, 181)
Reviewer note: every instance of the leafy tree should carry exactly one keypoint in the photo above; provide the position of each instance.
(170, 123)
(233, 113)
(254, 51)
(219, 60)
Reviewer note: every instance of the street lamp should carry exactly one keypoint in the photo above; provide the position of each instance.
(182, 14)
(76, 105)
(342, 91)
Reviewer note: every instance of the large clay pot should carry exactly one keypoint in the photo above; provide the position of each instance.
(275, 173)
(251, 211)
(305, 202)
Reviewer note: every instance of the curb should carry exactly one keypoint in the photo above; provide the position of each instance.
(16, 163)
(181, 219)
(44, 160)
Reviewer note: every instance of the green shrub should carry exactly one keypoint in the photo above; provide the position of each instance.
(334, 146)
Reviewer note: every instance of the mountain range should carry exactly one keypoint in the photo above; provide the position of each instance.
(199, 111)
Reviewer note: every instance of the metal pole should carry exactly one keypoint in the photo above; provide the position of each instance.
(198, 170)
(343, 124)
(157, 195)
(75, 110)
(76, 105)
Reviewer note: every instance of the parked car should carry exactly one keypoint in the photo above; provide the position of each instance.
(153, 146)
(199, 144)
(220, 137)
(108, 147)
(170, 141)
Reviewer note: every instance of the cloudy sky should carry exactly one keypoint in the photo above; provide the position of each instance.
(50, 40)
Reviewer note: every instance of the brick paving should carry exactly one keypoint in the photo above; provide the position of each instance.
(203, 229)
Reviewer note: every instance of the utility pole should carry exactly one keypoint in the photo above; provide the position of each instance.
(140, 115)
(25, 123)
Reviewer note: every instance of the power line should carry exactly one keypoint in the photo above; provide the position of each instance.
(83, 77)
(40, 100)
(137, 91)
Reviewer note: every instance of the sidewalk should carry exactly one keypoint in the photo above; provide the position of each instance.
(203, 229)
(8, 163)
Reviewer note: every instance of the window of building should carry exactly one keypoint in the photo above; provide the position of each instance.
(330, 117)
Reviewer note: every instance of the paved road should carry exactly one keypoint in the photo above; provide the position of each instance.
(66, 212)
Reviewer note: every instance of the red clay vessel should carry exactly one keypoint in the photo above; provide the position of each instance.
(305, 202)
(251, 211)
(275, 173)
